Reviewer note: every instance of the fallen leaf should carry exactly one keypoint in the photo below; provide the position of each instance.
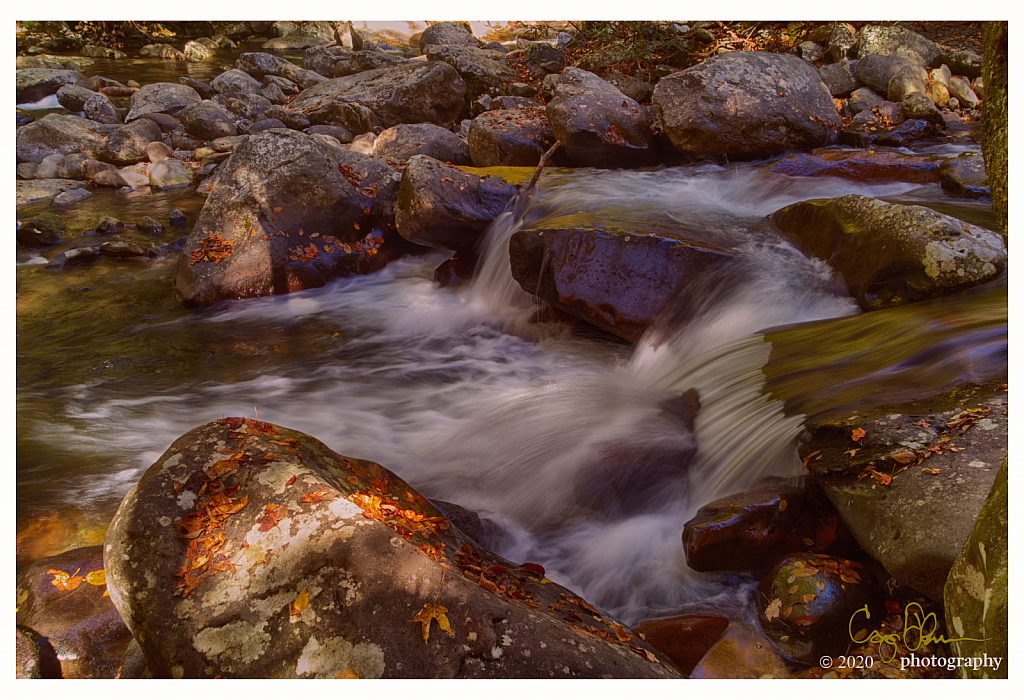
(929, 471)
(272, 515)
(803, 620)
(64, 581)
(851, 453)
(782, 506)
(347, 673)
(301, 601)
(96, 578)
(773, 609)
(905, 457)
(291, 481)
(858, 433)
(432, 612)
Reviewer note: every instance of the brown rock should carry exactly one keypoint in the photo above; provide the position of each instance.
(684, 639)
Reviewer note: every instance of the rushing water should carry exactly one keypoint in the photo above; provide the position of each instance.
(456, 391)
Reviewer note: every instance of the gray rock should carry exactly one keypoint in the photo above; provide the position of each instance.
(224, 144)
(475, 66)
(941, 75)
(163, 51)
(631, 87)
(916, 525)
(964, 63)
(732, 105)
(964, 176)
(876, 71)
(840, 78)
(976, 594)
(33, 84)
(197, 52)
(512, 102)
(810, 51)
(102, 52)
(128, 144)
(333, 62)
(163, 98)
(177, 218)
(264, 124)
(202, 89)
(286, 86)
(117, 248)
(149, 225)
(71, 97)
(158, 150)
(47, 170)
(404, 141)
(207, 120)
(249, 107)
(236, 83)
(864, 98)
(516, 137)
(917, 105)
(96, 82)
(273, 93)
(56, 133)
(597, 125)
(841, 44)
(896, 41)
(100, 109)
(360, 61)
(934, 254)
(291, 118)
(74, 256)
(431, 92)
(26, 171)
(447, 34)
(109, 224)
(340, 133)
(961, 90)
(907, 79)
(71, 166)
(168, 174)
(69, 197)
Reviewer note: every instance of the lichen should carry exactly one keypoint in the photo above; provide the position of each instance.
(335, 654)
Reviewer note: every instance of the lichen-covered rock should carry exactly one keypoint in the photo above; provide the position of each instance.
(429, 92)
(295, 561)
(32, 191)
(75, 617)
(891, 254)
(615, 279)
(907, 79)
(596, 124)
(127, 145)
(281, 217)
(163, 51)
(808, 605)
(71, 97)
(447, 34)
(33, 84)
(42, 231)
(976, 593)
(446, 207)
(165, 98)
(208, 120)
(100, 109)
(877, 70)
(753, 530)
(745, 105)
(913, 488)
(896, 41)
(56, 133)
(840, 78)
(475, 66)
(403, 141)
(168, 174)
(517, 137)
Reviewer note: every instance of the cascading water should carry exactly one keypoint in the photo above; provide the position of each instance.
(529, 425)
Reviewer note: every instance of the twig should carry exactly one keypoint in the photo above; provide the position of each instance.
(540, 165)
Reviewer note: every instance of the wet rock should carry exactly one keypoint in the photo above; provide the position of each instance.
(891, 254)
(116, 248)
(31, 191)
(207, 120)
(28, 654)
(135, 176)
(454, 272)
(616, 280)
(69, 197)
(916, 105)
(108, 224)
(741, 653)
(56, 133)
(896, 41)
(404, 141)
(168, 174)
(517, 137)
(597, 125)
(818, 617)
(964, 176)
(127, 145)
(164, 98)
(907, 132)
(235, 83)
(911, 519)
(42, 231)
(860, 166)
(684, 639)
(164, 51)
(976, 593)
(446, 207)
(753, 530)
(80, 624)
(484, 532)
(431, 92)
(447, 34)
(876, 71)
(33, 84)
(197, 52)
(100, 109)
(204, 91)
(746, 105)
(327, 568)
(241, 247)
(477, 67)
(840, 78)
(74, 256)
(102, 52)
(177, 218)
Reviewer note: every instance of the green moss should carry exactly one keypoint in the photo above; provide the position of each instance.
(994, 117)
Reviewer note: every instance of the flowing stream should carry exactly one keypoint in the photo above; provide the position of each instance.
(456, 391)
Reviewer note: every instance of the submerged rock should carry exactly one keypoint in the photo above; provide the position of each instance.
(892, 254)
(860, 166)
(291, 560)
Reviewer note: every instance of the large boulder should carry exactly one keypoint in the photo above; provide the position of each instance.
(896, 41)
(964, 176)
(510, 137)
(446, 207)
(71, 97)
(840, 78)
(447, 34)
(100, 109)
(56, 133)
(616, 280)
(976, 594)
(476, 67)
(33, 84)
(909, 480)
(280, 218)
(128, 144)
(63, 599)
(259, 65)
(892, 254)
(163, 51)
(403, 141)
(746, 105)
(235, 82)
(877, 70)
(164, 98)
(289, 560)
(431, 92)
(596, 124)
(207, 120)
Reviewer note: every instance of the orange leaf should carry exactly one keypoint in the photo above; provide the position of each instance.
(64, 581)
(295, 609)
(432, 612)
(858, 433)
(347, 673)
(96, 578)
(272, 515)
(315, 496)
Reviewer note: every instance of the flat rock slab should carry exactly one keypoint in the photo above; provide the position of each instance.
(860, 166)
(32, 191)
(911, 487)
(285, 559)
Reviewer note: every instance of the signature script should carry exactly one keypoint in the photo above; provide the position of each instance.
(918, 630)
